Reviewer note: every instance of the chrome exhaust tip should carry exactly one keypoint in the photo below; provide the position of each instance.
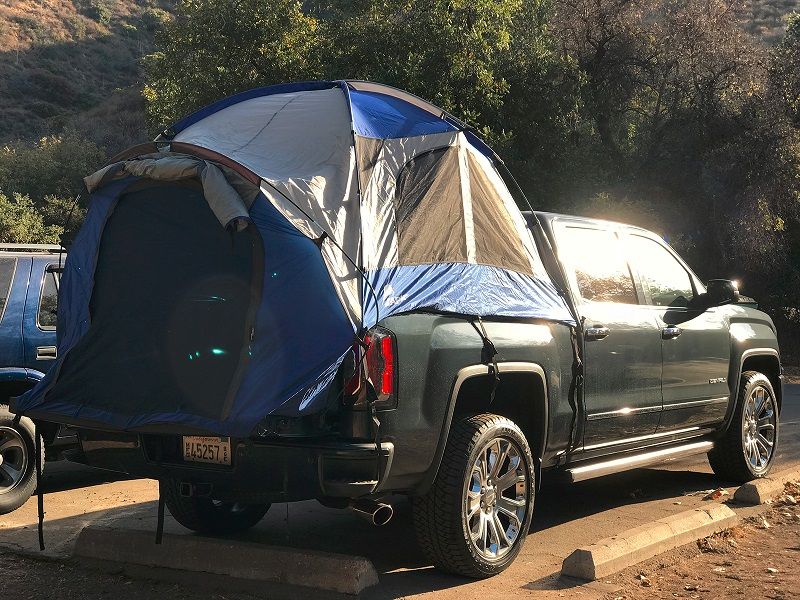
(377, 513)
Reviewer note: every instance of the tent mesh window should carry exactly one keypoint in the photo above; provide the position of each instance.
(497, 240)
(171, 296)
(429, 210)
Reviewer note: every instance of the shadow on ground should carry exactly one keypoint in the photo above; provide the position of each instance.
(392, 548)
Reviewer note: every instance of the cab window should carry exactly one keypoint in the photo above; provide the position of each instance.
(597, 264)
(665, 281)
(7, 267)
(48, 301)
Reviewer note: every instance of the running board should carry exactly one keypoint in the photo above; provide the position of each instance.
(626, 463)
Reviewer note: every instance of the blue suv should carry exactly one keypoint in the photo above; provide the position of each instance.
(29, 278)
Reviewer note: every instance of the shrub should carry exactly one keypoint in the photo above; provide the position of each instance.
(21, 223)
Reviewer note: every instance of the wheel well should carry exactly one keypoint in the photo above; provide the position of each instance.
(769, 366)
(520, 396)
(17, 387)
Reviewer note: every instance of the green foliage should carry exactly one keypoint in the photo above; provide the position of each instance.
(54, 165)
(214, 48)
(20, 222)
(99, 10)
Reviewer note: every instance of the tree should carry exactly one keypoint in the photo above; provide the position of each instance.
(214, 48)
(20, 223)
(54, 165)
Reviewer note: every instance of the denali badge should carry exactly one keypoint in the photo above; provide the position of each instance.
(718, 380)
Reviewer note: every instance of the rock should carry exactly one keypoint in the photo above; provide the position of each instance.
(772, 570)
(644, 581)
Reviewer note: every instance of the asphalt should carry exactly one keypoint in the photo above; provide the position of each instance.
(566, 517)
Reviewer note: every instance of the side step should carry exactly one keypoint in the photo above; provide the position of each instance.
(581, 473)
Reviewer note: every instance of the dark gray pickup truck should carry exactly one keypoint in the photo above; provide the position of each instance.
(471, 412)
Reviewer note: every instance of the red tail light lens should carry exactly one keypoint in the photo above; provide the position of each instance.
(379, 367)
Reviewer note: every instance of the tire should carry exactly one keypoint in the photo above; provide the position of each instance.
(17, 463)
(209, 516)
(734, 456)
(452, 539)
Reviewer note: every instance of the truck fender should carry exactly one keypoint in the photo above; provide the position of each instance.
(480, 370)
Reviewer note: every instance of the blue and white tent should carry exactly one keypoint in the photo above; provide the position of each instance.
(223, 274)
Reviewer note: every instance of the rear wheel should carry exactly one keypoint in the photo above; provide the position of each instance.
(206, 515)
(747, 449)
(17, 461)
(474, 520)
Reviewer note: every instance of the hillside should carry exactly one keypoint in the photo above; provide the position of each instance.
(764, 18)
(75, 62)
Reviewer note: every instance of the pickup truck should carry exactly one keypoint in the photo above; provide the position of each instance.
(470, 412)
(29, 275)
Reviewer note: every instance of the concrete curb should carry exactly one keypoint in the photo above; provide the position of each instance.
(618, 552)
(228, 561)
(760, 490)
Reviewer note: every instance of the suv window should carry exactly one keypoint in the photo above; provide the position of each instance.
(666, 282)
(595, 258)
(48, 301)
(7, 267)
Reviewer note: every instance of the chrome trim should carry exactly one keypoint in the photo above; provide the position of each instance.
(641, 438)
(634, 462)
(692, 403)
(623, 412)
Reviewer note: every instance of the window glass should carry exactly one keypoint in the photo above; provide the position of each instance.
(665, 281)
(7, 267)
(48, 301)
(595, 258)
(429, 210)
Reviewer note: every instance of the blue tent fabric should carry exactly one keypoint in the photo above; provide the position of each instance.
(461, 288)
(304, 327)
(382, 116)
(301, 327)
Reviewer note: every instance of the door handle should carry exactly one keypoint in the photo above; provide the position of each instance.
(670, 333)
(46, 353)
(597, 332)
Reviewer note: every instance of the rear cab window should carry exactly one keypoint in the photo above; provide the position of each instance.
(596, 264)
(48, 300)
(8, 266)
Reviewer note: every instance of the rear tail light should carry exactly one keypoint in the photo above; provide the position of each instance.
(378, 370)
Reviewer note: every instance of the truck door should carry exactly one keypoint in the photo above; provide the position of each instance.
(622, 351)
(13, 281)
(39, 320)
(695, 344)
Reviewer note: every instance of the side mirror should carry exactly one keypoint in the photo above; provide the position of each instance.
(721, 291)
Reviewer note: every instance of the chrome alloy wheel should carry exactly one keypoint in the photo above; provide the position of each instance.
(495, 498)
(13, 459)
(758, 428)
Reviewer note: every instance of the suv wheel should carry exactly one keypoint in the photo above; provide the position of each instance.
(17, 462)
(475, 518)
(746, 450)
(206, 515)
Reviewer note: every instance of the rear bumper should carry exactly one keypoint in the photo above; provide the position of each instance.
(268, 471)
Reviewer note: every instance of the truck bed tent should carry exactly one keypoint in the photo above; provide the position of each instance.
(223, 273)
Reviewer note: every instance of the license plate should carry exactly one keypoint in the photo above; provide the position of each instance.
(214, 450)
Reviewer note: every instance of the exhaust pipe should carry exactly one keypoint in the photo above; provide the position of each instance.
(376, 513)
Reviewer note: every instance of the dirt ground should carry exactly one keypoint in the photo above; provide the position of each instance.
(758, 559)
(791, 373)
(26, 578)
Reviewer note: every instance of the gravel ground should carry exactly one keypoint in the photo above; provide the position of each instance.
(757, 559)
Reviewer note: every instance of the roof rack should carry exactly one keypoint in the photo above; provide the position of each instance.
(30, 247)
